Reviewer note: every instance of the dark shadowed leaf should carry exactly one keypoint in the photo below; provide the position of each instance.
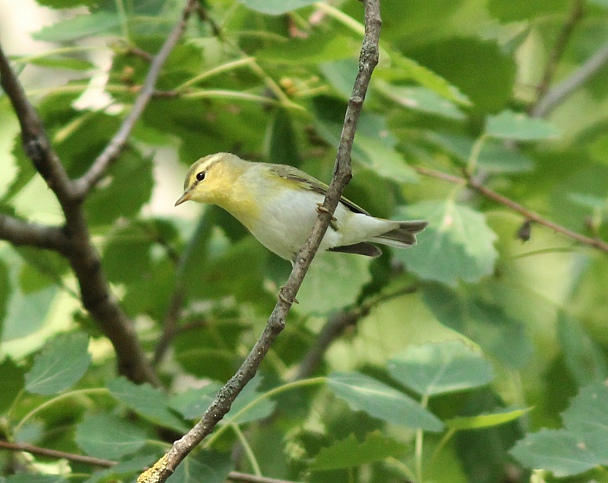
(363, 393)
(147, 401)
(109, 436)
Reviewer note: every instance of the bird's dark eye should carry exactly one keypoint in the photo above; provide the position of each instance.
(200, 176)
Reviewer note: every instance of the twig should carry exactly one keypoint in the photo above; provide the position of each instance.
(102, 463)
(576, 13)
(237, 476)
(554, 97)
(19, 232)
(51, 453)
(164, 467)
(526, 213)
(85, 183)
(336, 325)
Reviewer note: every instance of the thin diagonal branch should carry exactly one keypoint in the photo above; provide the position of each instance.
(559, 47)
(99, 167)
(555, 96)
(19, 232)
(513, 205)
(276, 322)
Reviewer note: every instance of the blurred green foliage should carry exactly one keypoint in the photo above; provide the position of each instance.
(467, 348)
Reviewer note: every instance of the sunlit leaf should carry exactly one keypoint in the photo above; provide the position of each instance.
(349, 452)
(62, 362)
(421, 99)
(81, 26)
(480, 421)
(334, 280)
(457, 244)
(580, 445)
(275, 7)
(439, 368)
(519, 127)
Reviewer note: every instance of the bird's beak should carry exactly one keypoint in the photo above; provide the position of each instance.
(182, 198)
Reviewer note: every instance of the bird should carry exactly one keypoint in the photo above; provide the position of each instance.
(279, 204)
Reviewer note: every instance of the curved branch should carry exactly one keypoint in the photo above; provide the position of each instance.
(19, 232)
(85, 183)
(164, 467)
(513, 205)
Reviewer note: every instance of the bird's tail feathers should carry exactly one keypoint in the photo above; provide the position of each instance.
(402, 237)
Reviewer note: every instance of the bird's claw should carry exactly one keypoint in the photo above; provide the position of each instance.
(322, 209)
(285, 299)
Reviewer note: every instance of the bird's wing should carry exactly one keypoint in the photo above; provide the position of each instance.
(311, 183)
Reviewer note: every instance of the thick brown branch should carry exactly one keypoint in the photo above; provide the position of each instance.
(342, 174)
(98, 169)
(526, 213)
(19, 232)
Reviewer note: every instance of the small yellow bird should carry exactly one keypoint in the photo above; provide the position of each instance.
(278, 204)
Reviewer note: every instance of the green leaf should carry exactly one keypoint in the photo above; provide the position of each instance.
(191, 404)
(62, 362)
(421, 99)
(334, 280)
(374, 146)
(599, 3)
(81, 26)
(26, 313)
(122, 193)
(275, 7)
(580, 446)
(582, 354)
(516, 10)
(240, 414)
(13, 381)
(147, 401)
(59, 62)
(125, 468)
(487, 325)
(281, 143)
(206, 466)
(519, 127)
(489, 85)
(494, 157)
(66, 3)
(108, 436)
(349, 452)
(439, 368)
(406, 69)
(5, 293)
(29, 478)
(313, 49)
(126, 255)
(457, 244)
(481, 421)
(363, 393)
